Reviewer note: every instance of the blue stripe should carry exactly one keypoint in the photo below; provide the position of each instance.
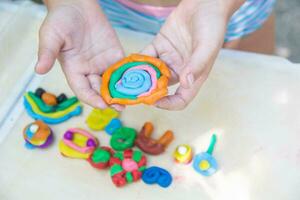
(246, 20)
(246, 13)
(249, 25)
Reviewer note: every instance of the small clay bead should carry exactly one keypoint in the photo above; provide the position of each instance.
(91, 143)
(68, 135)
(49, 99)
(33, 128)
(183, 154)
(39, 92)
(61, 98)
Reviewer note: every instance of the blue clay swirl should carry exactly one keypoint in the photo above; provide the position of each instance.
(134, 82)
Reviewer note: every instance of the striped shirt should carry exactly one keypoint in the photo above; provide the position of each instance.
(145, 18)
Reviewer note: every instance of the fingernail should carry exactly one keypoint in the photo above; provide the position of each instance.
(36, 65)
(117, 108)
(190, 79)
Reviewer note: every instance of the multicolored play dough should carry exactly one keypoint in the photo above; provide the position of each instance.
(100, 158)
(135, 79)
(204, 163)
(149, 145)
(127, 166)
(37, 135)
(183, 154)
(157, 175)
(98, 119)
(77, 143)
(49, 108)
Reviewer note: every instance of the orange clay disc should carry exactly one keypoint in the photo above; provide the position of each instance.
(49, 99)
(155, 94)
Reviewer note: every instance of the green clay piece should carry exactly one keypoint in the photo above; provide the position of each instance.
(129, 177)
(48, 109)
(100, 155)
(123, 138)
(67, 103)
(115, 169)
(142, 168)
(211, 147)
(119, 155)
(117, 75)
(137, 156)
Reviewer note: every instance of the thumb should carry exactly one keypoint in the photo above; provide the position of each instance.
(49, 47)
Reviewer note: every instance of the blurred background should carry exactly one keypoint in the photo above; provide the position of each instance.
(287, 28)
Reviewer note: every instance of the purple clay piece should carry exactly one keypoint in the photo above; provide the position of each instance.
(48, 141)
(68, 135)
(91, 143)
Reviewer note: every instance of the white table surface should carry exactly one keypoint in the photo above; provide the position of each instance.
(251, 101)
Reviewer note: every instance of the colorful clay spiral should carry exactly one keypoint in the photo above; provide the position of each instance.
(135, 79)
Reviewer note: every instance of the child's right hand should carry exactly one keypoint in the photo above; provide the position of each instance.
(77, 33)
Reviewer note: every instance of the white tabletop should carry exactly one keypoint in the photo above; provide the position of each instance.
(250, 101)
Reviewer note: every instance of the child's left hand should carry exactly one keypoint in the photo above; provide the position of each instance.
(189, 43)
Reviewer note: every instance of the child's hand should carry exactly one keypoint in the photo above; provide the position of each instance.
(189, 43)
(78, 34)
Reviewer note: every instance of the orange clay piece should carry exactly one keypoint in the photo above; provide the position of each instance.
(149, 145)
(43, 131)
(166, 138)
(49, 99)
(162, 83)
(148, 129)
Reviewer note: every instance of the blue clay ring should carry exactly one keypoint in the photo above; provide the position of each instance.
(157, 175)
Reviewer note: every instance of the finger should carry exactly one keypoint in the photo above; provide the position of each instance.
(182, 96)
(163, 48)
(151, 51)
(49, 48)
(81, 86)
(200, 63)
(102, 61)
(95, 81)
(118, 107)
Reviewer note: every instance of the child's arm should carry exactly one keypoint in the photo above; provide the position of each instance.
(189, 43)
(77, 33)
